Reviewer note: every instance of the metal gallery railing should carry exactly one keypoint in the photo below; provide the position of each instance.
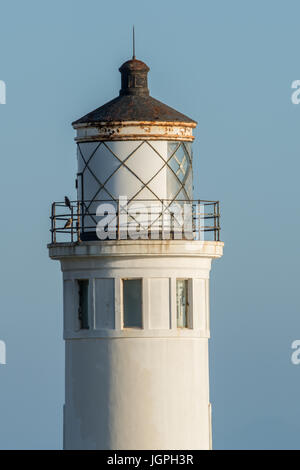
(77, 221)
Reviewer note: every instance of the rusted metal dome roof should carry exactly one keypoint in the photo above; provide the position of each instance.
(134, 64)
(134, 102)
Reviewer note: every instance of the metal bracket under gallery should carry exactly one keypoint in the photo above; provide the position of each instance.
(79, 221)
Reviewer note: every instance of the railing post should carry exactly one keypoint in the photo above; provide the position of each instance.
(72, 222)
(51, 218)
(198, 221)
(118, 219)
(78, 221)
(215, 221)
(53, 225)
(218, 210)
(162, 220)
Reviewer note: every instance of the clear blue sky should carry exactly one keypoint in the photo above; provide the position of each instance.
(228, 65)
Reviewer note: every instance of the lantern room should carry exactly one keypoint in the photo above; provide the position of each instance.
(133, 146)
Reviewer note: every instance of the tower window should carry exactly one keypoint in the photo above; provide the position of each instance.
(83, 304)
(182, 303)
(132, 303)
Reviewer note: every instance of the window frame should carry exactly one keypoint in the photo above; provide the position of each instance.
(188, 314)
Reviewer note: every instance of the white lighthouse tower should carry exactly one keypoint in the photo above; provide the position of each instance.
(136, 278)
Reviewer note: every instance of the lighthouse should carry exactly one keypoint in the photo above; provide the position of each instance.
(136, 248)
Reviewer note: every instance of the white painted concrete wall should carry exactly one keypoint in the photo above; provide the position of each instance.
(137, 393)
(137, 388)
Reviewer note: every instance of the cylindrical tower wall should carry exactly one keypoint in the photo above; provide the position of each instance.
(138, 387)
(137, 393)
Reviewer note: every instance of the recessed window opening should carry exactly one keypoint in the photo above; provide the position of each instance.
(83, 303)
(182, 303)
(132, 303)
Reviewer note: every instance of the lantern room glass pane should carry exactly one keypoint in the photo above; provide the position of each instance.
(179, 169)
(180, 161)
(132, 303)
(188, 148)
(173, 185)
(172, 146)
(188, 185)
(182, 303)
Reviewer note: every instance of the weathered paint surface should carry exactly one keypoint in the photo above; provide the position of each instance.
(135, 131)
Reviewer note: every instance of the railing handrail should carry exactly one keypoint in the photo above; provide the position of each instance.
(73, 220)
